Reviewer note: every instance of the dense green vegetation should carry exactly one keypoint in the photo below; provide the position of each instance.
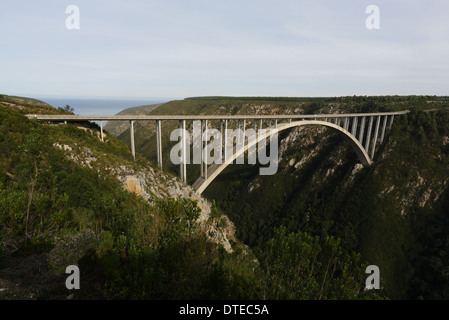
(128, 248)
(311, 232)
(393, 213)
(394, 229)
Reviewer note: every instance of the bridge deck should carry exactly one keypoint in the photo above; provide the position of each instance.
(203, 117)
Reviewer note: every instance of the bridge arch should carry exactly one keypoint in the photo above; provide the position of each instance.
(201, 184)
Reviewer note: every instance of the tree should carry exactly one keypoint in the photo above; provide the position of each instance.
(31, 149)
(300, 266)
(67, 109)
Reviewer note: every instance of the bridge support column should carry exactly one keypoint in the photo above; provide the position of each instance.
(159, 143)
(384, 126)
(368, 137)
(346, 124)
(354, 126)
(101, 131)
(201, 149)
(391, 121)
(183, 167)
(222, 133)
(225, 140)
(362, 130)
(205, 150)
(238, 131)
(376, 132)
(133, 149)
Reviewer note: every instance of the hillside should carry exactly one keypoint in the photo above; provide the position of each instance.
(68, 198)
(27, 105)
(394, 213)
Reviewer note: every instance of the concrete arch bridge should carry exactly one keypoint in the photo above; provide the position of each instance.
(363, 131)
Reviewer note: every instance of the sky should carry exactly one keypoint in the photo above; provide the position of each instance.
(182, 48)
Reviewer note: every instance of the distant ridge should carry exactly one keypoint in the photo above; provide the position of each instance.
(27, 105)
(395, 98)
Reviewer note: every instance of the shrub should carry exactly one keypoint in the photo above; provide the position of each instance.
(69, 249)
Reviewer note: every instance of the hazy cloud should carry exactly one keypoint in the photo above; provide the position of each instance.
(176, 49)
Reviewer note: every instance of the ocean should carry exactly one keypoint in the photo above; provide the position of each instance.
(85, 106)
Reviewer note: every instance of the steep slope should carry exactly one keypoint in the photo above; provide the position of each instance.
(374, 210)
(382, 211)
(68, 198)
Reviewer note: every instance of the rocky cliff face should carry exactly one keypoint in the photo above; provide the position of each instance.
(152, 184)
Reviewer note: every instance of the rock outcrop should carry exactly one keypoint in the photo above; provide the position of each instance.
(151, 184)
